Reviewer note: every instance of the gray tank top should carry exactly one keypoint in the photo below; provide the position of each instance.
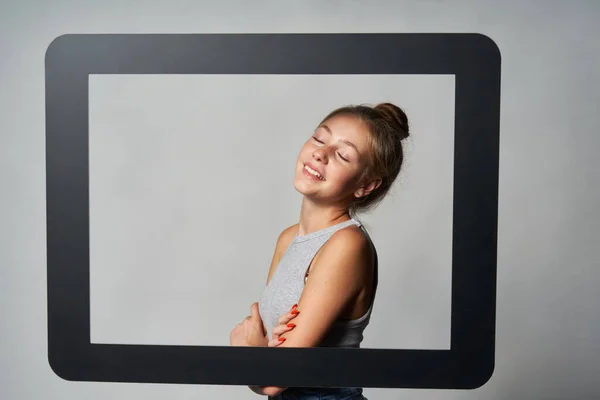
(286, 285)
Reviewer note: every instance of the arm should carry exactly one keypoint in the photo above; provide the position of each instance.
(283, 242)
(337, 278)
(267, 390)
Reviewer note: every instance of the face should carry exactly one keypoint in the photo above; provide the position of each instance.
(332, 161)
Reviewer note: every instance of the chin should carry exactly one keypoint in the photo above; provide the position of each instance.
(299, 186)
(304, 185)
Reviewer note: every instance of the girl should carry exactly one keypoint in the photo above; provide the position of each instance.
(323, 274)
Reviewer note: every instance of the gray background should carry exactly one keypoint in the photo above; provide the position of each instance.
(191, 184)
(548, 326)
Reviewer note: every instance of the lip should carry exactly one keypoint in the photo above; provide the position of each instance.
(315, 169)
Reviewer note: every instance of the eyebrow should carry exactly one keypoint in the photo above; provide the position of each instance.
(349, 143)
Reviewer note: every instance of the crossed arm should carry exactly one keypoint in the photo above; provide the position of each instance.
(336, 280)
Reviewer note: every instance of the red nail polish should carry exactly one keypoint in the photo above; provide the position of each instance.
(281, 339)
(295, 312)
(291, 325)
(294, 306)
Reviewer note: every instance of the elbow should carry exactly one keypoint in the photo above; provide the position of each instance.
(272, 391)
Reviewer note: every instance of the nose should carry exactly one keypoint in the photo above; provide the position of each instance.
(320, 154)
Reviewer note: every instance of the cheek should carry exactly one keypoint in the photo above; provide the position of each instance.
(348, 177)
(345, 177)
(305, 151)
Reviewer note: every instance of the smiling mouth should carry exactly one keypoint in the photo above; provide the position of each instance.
(313, 172)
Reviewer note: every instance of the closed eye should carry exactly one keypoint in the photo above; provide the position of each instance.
(342, 157)
(339, 155)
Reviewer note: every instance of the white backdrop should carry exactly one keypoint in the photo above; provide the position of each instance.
(149, 151)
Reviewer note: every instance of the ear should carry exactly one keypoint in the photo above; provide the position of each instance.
(367, 188)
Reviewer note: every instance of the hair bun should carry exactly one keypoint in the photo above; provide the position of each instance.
(395, 117)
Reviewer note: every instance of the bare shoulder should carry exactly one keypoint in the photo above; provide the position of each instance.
(283, 242)
(352, 241)
(353, 234)
(349, 249)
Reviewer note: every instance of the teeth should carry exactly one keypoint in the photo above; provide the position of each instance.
(313, 172)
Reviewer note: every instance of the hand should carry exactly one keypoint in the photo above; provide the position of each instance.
(249, 332)
(283, 325)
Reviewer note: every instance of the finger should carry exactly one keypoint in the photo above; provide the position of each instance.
(281, 329)
(286, 318)
(276, 342)
(254, 311)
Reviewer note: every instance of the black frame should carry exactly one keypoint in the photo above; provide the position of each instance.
(475, 61)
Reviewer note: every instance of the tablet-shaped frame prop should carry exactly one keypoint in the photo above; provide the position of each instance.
(473, 59)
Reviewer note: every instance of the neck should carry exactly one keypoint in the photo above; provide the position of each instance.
(314, 217)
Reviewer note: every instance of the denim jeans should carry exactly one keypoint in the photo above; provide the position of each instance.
(320, 394)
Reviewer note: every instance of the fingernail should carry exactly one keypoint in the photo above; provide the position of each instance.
(291, 325)
(295, 312)
(294, 306)
(281, 339)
